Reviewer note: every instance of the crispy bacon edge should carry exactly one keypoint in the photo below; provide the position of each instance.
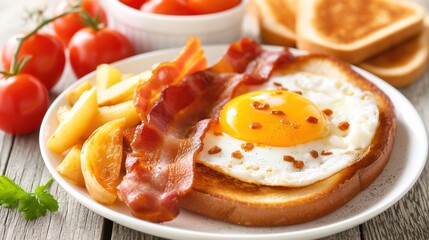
(190, 60)
(161, 166)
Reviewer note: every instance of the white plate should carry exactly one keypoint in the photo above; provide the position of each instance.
(402, 171)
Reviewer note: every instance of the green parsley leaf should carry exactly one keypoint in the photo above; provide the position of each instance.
(10, 192)
(32, 205)
(45, 198)
(31, 208)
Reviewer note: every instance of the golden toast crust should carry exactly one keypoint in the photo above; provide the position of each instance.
(343, 33)
(344, 22)
(277, 27)
(403, 64)
(226, 199)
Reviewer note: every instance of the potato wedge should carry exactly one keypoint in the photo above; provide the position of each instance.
(107, 76)
(73, 95)
(75, 123)
(121, 91)
(106, 114)
(101, 159)
(70, 167)
(62, 113)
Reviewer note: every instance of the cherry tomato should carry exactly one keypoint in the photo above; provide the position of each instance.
(24, 101)
(168, 7)
(211, 6)
(133, 3)
(47, 57)
(65, 27)
(89, 48)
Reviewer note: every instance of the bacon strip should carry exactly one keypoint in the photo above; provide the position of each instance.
(161, 167)
(190, 60)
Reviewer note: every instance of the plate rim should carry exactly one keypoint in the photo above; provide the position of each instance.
(175, 232)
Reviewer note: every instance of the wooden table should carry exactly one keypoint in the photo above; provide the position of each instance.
(20, 159)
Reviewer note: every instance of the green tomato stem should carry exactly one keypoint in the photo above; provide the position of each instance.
(17, 65)
(90, 22)
(49, 182)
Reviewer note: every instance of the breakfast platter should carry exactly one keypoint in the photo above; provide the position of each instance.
(402, 171)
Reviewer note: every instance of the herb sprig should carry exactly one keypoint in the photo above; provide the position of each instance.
(31, 205)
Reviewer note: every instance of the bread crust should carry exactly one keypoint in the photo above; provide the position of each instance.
(271, 31)
(274, 37)
(357, 55)
(227, 199)
(397, 77)
(403, 64)
(357, 51)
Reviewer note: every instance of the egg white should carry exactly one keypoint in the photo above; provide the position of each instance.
(265, 165)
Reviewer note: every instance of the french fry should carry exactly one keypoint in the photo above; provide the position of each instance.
(107, 76)
(73, 95)
(75, 123)
(106, 114)
(70, 167)
(123, 90)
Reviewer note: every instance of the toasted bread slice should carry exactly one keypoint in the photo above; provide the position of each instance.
(277, 21)
(404, 63)
(227, 199)
(354, 30)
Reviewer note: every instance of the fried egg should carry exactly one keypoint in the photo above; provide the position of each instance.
(294, 130)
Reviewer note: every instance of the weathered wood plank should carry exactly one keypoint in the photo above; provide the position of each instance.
(351, 234)
(5, 147)
(73, 221)
(124, 233)
(407, 219)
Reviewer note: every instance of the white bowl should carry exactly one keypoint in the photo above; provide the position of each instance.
(149, 31)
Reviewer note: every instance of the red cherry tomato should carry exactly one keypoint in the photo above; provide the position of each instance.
(65, 27)
(47, 57)
(133, 3)
(89, 48)
(24, 101)
(211, 6)
(167, 7)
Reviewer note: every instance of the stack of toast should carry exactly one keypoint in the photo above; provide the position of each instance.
(388, 38)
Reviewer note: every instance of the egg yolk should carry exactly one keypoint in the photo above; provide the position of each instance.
(274, 118)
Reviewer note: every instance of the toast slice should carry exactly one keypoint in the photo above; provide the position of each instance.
(354, 30)
(277, 21)
(227, 199)
(404, 63)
